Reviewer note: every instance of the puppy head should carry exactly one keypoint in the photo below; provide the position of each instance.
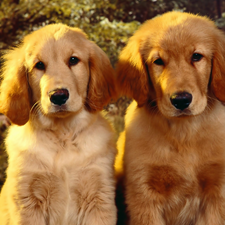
(56, 72)
(169, 61)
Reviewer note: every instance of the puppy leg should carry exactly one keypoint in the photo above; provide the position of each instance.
(42, 198)
(143, 211)
(143, 204)
(212, 185)
(151, 191)
(212, 214)
(96, 199)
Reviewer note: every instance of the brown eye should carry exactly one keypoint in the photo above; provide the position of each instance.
(40, 65)
(73, 61)
(196, 57)
(159, 62)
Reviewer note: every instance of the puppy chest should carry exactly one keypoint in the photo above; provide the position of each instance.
(184, 197)
(166, 181)
(71, 192)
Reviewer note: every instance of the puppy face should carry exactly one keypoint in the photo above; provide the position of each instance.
(59, 74)
(174, 60)
(55, 72)
(180, 72)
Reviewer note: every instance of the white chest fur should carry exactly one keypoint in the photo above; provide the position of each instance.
(72, 162)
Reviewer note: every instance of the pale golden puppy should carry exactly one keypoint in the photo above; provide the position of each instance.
(174, 160)
(61, 150)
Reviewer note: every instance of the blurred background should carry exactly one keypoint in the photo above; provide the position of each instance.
(109, 23)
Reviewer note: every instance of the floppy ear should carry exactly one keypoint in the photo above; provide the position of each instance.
(14, 97)
(218, 68)
(132, 77)
(101, 87)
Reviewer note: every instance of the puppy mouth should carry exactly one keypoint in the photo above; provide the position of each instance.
(60, 109)
(183, 113)
(176, 113)
(63, 110)
(59, 112)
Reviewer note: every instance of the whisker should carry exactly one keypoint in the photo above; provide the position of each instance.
(36, 110)
(153, 105)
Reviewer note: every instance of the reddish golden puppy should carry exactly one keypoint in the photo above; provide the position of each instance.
(61, 155)
(174, 160)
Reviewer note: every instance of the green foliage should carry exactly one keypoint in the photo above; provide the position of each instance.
(141, 10)
(221, 22)
(207, 7)
(130, 10)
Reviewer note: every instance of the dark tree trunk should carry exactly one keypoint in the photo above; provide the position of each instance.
(15, 1)
(218, 6)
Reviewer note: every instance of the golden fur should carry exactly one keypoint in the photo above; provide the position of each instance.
(61, 156)
(174, 159)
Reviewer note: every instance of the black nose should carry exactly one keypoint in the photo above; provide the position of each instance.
(59, 96)
(181, 100)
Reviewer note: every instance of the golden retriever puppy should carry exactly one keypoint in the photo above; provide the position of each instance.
(61, 150)
(174, 160)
